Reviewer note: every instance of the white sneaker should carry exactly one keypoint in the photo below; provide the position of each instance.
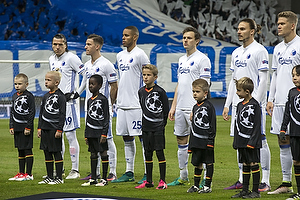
(16, 177)
(102, 183)
(45, 181)
(89, 182)
(205, 189)
(294, 196)
(283, 189)
(56, 181)
(73, 175)
(25, 177)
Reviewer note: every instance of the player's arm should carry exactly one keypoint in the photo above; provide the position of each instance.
(173, 106)
(113, 91)
(230, 94)
(272, 91)
(262, 87)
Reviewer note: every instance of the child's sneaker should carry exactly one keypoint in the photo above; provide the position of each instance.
(205, 189)
(25, 177)
(46, 180)
(162, 185)
(56, 181)
(15, 177)
(252, 195)
(89, 182)
(102, 183)
(111, 177)
(145, 184)
(193, 189)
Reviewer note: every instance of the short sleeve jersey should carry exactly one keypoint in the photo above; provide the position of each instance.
(105, 68)
(53, 111)
(285, 57)
(203, 129)
(247, 62)
(131, 80)
(69, 65)
(155, 107)
(22, 111)
(247, 130)
(190, 68)
(292, 113)
(97, 119)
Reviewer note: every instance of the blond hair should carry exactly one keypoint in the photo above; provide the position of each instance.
(245, 83)
(152, 68)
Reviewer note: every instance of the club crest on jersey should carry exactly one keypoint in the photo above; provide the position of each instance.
(123, 67)
(97, 69)
(294, 52)
(201, 118)
(95, 111)
(239, 63)
(51, 105)
(249, 55)
(192, 63)
(245, 117)
(63, 63)
(153, 103)
(183, 70)
(131, 60)
(285, 61)
(21, 105)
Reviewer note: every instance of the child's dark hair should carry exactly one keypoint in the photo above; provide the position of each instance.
(98, 78)
(297, 68)
(203, 84)
(245, 83)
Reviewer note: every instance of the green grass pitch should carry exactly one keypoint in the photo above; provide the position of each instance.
(225, 174)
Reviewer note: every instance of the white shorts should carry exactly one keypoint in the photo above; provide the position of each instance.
(109, 133)
(129, 122)
(277, 117)
(263, 120)
(72, 121)
(182, 125)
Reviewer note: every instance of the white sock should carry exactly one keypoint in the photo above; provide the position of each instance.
(204, 170)
(183, 158)
(265, 161)
(143, 151)
(112, 156)
(63, 148)
(74, 149)
(130, 149)
(286, 162)
(240, 165)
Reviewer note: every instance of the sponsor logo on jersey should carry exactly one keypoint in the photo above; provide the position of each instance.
(239, 63)
(285, 61)
(123, 67)
(182, 70)
(265, 62)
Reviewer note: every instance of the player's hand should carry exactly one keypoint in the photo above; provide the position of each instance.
(71, 95)
(39, 133)
(269, 108)
(11, 131)
(282, 135)
(58, 134)
(102, 139)
(171, 114)
(225, 115)
(191, 116)
(26, 132)
(86, 141)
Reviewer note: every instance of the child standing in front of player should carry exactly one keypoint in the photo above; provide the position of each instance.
(155, 107)
(50, 127)
(21, 126)
(202, 137)
(247, 137)
(292, 117)
(96, 129)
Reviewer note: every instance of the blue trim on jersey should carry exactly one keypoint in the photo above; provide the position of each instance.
(73, 81)
(74, 116)
(285, 146)
(183, 146)
(129, 140)
(263, 138)
(141, 80)
(106, 90)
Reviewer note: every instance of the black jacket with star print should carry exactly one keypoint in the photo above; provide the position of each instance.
(53, 111)
(97, 117)
(292, 113)
(247, 129)
(203, 130)
(22, 111)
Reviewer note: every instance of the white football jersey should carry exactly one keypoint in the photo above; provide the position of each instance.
(285, 57)
(69, 65)
(190, 68)
(131, 79)
(247, 62)
(105, 68)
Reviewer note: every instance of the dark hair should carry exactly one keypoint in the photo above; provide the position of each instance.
(203, 84)
(252, 25)
(98, 78)
(245, 83)
(192, 29)
(133, 29)
(297, 68)
(97, 39)
(61, 36)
